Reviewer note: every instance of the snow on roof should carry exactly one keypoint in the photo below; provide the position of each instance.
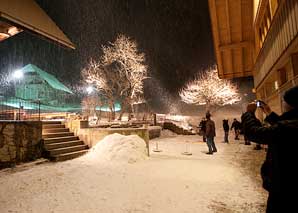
(50, 79)
(116, 148)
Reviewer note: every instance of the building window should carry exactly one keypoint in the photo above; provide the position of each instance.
(260, 37)
(268, 17)
(261, 94)
(295, 63)
(273, 6)
(283, 77)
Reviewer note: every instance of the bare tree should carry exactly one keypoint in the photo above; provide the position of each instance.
(208, 89)
(103, 79)
(90, 105)
(119, 74)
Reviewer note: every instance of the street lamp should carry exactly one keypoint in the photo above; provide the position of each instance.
(89, 89)
(18, 74)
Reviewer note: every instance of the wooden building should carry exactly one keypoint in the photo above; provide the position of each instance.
(258, 38)
(26, 15)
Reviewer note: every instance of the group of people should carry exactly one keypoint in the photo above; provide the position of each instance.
(280, 135)
(236, 125)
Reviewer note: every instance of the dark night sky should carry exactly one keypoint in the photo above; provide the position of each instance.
(175, 35)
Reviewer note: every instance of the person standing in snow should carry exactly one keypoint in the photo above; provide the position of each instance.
(202, 129)
(278, 171)
(237, 127)
(226, 127)
(210, 134)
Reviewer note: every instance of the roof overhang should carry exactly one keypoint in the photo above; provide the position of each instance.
(27, 15)
(7, 30)
(233, 36)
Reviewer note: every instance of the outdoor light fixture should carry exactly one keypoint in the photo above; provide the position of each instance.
(4, 35)
(18, 74)
(7, 30)
(89, 89)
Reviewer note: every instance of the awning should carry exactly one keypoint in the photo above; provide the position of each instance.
(28, 15)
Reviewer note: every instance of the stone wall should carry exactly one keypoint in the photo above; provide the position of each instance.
(20, 141)
(154, 131)
(177, 129)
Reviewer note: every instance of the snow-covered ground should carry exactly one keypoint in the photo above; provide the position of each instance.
(224, 182)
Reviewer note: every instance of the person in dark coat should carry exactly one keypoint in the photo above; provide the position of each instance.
(279, 169)
(237, 127)
(246, 140)
(226, 127)
(210, 134)
(202, 129)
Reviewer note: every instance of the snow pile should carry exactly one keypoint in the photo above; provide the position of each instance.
(119, 148)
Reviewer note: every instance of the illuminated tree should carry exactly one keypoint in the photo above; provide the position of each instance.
(208, 89)
(119, 74)
(89, 105)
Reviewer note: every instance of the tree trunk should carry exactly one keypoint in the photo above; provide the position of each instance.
(131, 113)
(98, 114)
(123, 107)
(112, 113)
(207, 107)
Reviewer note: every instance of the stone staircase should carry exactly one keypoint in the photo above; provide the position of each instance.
(59, 143)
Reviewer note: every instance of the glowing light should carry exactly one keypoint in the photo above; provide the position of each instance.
(13, 31)
(18, 74)
(89, 89)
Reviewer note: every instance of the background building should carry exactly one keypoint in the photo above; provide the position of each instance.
(40, 85)
(271, 45)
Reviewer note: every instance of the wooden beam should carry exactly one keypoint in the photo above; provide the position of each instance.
(230, 63)
(215, 33)
(241, 39)
(236, 75)
(235, 45)
(228, 21)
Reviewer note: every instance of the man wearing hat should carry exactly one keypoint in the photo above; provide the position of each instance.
(279, 171)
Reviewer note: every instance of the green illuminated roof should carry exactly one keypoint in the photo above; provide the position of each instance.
(50, 79)
(30, 105)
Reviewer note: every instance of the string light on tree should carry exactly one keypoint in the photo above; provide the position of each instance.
(119, 74)
(208, 89)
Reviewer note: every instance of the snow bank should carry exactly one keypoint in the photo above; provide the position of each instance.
(119, 149)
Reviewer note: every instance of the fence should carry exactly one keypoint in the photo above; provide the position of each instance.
(18, 109)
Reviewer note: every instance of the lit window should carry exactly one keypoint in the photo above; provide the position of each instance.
(273, 6)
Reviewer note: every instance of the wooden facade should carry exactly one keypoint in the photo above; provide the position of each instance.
(275, 46)
(276, 54)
